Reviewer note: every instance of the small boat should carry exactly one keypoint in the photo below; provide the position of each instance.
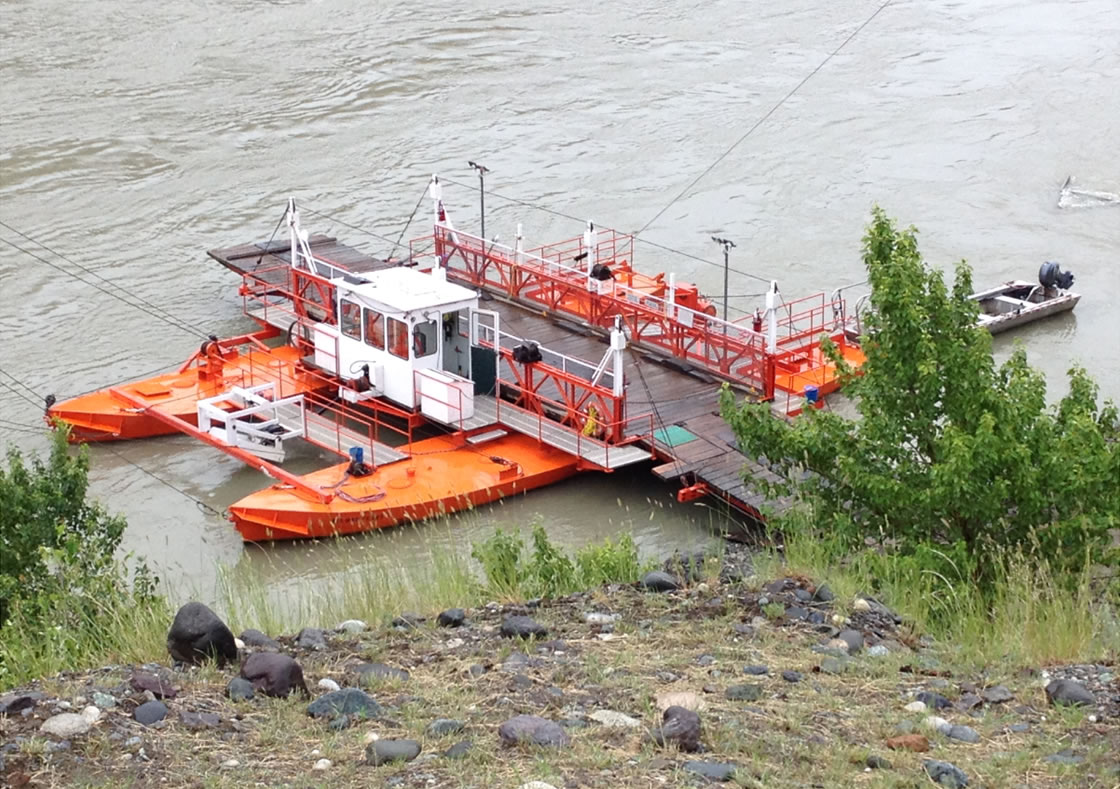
(1015, 303)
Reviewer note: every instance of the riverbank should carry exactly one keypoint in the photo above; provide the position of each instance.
(750, 674)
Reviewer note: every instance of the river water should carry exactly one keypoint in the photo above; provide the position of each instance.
(137, 136)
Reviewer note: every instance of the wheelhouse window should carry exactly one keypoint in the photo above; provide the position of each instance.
(375, 328)
(351, 319)
(424, 340)
(398, 338)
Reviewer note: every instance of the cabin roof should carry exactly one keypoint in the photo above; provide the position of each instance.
(404, 289)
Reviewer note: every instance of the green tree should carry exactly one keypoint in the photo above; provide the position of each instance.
(51, 536)
(949, 450)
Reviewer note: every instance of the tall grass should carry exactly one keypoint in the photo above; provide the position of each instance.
(1030, 615)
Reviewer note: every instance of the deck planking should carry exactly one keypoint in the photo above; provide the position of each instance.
(668, 388)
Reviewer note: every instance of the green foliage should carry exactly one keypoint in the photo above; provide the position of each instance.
(774, 610)
(548, 571)
(64, 597)
(952, 460)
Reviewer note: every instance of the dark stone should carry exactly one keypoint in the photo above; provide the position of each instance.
(1066, 691)
(713, 771)
(802, 595)
(833, 665)
(387, 751)
(854, 640)
(796, 613)
(744, 692)
(743, 629)
(239, 689)
(935, 701)
(756, 671)
(255, 638)
(441, 727)
(792, 676)
(532, 730)
(273, 674)
(705, 660)
(18, 702)
(816, 618)
(823, 594)
(348, 701)
(452, 617)
(150, 712)
(522, 627)
(681, 726)
(1065, 756)
(1019, 728)
(997, 695)
(963, 733)
(372, 673)
(945, 774)
(660, 581)
(458, 751)
(197, 634)
(969, 701)
(877, 763)
(407, 621)
(311, 638)
(340, 723)
(196, 721)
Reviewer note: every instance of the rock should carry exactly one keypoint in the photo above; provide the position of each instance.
(160, 688)
(1019, 728)
(340, 723)
(239, 689)
(150, 712)
(802, 595)
(660, 581)
(328, 684)
(66, 725)
(861, 606)
(945, 774)
(350, 702)
(352, 626)
(705, 660)
(532, 730)
(522, 627)
(684, 698)
(12, 703)
(744, 692)
(458, 751)
(408, 621)
(322, 764)
(387, 751)
(963, 733)
(1069, 692)
(874, 762)
(823, 594)
(441, 727)
(274, 674)
(996, 695)
(681, 726)
(915, 706)
(256, 638)
(615, 720)
(372, 673)
(833, 665)
(196, 721)
(934, 723)
(756, 671)
(197, 634)
(854, 640)
(935, 701)
(796, 613)
(1065, 756)
(878, 651)
(103, 700)
(713, 771)
(311, 638)
(909, 742)
(792, 676)
(476, 670)
(452, 617)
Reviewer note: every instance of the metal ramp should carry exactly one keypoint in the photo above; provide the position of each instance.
(326, 433)
(560, 437)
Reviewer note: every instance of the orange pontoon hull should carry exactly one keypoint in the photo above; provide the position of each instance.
(442, 476)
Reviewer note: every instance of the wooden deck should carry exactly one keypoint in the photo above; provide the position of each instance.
(692, 442)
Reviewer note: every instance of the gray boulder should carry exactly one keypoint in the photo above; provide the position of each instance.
(382, 752)
(660, 581)
(532, 730)
(713, 771)
(522, 627)
(452, 617)
(681, 726)
(255, 638)
(1069, 692)
(372, 673)
(274, 675)
(150, 712)
(311, 638)
(197, 634)
(945, 774)
(240, 689)
(441, 727)
(350, 702)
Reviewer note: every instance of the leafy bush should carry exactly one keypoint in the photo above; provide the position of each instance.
(610, 562)
(952, 461)
(500, 557)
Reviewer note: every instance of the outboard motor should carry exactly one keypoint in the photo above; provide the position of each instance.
(1050, 275)
(527, 353)
(601, 272)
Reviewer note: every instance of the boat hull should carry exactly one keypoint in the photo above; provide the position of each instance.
(1015, 304)
(442, 476)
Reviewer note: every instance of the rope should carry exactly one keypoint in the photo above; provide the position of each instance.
(404, 229)
(275, 230)
(766, 117)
